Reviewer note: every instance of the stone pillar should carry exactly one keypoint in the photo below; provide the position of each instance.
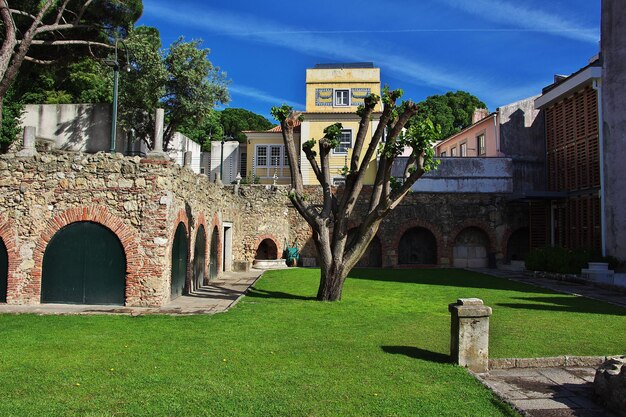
(157, 148)
(614, 124)
(187, 159)
(469, 334)
(28, 147)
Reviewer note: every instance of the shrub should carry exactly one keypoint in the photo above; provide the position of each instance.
(565, 261)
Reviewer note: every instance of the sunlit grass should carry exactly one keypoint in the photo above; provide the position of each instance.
(382, 351)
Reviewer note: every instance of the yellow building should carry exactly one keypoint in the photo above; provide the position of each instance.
(333, 93)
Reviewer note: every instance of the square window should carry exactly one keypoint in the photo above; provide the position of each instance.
(275, 155)
(342, 97)
(482, 149)
(345, 142)
(261, 156)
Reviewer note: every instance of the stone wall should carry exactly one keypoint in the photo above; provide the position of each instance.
(144, 201)
(141, 201)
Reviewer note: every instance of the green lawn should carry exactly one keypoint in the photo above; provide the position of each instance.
(382, 351)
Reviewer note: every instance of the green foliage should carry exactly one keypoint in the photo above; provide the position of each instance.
(281, 113)
(181, 80)
(452, 111)
(332, 134)
(210, 129)
(565, 261)
(12, 112)
(251, 178)
(234, 121)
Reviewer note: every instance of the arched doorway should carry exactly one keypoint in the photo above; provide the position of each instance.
(4, 272)
(213, 255)
(199, 257)
(84, 263)
(518, 245)
(470, 249)
(267, 250)
(179, 261)
(418, 246)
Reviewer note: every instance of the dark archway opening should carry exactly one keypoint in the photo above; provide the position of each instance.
(4, 271)
(199, 258)
(470, 249)
(418, 246)
(84, 263)
(518, 245)
(213, 254)
(267, 250)
(179, 261)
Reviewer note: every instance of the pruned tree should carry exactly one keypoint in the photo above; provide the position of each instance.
(338, 252)
(41, 31)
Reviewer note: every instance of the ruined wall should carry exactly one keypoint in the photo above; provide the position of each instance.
(141, 201)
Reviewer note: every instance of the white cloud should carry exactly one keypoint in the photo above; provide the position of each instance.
(309, 42)
(263, 96)
(520, 16)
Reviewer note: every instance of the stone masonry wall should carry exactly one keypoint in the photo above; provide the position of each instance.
(143, 202)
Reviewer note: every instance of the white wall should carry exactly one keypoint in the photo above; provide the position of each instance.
(231, 160)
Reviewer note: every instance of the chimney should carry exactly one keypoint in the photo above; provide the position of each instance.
(479, 114)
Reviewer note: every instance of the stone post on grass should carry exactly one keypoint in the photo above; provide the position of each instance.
(469, 334)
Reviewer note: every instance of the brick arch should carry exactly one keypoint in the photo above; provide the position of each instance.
(391, 246)
(478, 224)
(504, 245)
(10, 242)
(200, 220)
(181, 217)
(220, 256)
(127, 236)
(271, 237)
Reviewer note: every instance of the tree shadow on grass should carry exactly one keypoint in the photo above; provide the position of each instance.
(566, 303)
(417, 353)
(444, 276)
(258, 293)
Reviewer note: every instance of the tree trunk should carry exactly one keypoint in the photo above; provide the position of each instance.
(331, 283)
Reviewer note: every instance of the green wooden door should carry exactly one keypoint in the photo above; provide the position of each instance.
(84, 263)
(179, 261)
(4, 272)
(213, 255)
(199, 257)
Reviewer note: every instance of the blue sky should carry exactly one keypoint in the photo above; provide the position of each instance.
(498, 50)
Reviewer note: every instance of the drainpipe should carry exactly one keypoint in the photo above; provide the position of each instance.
(495, 132)
(597, 85)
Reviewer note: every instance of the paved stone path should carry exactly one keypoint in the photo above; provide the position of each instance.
(218, 296)
(547, 392)
(588, 291)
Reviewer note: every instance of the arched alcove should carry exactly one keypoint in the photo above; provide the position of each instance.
(4, 271)
(417, 246)
(179, 261)
(213, 256)
(267, 249)
(199, 257)
(84, 263)
(470, 248)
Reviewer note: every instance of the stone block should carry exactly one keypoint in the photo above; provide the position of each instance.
(610, 385)
(501, 363)
(469, 334)
(584, 361)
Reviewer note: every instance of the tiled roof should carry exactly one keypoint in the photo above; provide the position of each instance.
(275, 129)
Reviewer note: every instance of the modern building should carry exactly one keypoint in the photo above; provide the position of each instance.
(569, 214)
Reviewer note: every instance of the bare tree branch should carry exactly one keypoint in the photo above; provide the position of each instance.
(40, 61)
(22, 13)
(70, 42)
(61, 11)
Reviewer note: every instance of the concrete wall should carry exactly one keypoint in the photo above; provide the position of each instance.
(74, 127)
(614, 127)
(231, 160)
(468, 175)
(181, 144)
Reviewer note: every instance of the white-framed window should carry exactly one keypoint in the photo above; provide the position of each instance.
(276, 155)
(261, 156)
(463, 149)
(482, 148)
(337, 181)
(345, 142)
(342, 97)
(453, 151)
